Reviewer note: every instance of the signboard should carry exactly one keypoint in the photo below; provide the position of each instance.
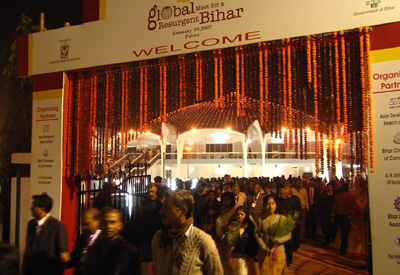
(137, 30)
(46, 165)
(384, 183)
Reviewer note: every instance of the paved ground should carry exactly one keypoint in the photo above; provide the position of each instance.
(315, 258)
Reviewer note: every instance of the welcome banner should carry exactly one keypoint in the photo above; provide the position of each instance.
(136, 30)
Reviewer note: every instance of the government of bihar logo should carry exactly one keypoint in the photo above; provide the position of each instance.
(397, 203)
(373, 3)
(64, 49)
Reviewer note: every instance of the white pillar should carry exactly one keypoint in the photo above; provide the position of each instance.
(263, 145)
(244, 148)
(339, 169)
(163, 145)
(326, 171)
(179, 156)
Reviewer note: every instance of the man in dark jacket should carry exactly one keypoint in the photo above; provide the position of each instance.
(91, 231)
(46, 241)
(289, 205)
(110, 254)
(328, 227)
(148, 225)
(314, 206)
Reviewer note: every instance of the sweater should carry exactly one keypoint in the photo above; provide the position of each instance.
(193, 253)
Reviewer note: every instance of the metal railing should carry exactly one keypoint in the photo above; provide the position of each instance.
(239, 155)
(117, 190)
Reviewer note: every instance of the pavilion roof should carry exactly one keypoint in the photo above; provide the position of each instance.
(233, 114)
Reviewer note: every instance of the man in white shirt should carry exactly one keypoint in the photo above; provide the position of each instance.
(240, 197)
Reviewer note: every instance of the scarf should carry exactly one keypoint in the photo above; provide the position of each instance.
(168, 233)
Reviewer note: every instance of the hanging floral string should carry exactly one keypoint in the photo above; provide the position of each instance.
(284, 90)
(145, 91)
(266, 85)
(337, 83)
(309, 73)
(221, 78)
(197, 76)
(201, 79)
(369, 99)
(363, 96)
(315, 83)
(289, 96)
(237, 68)
(105, 146)
(242, 97)
(95, 135)
(216, 72)
(261, 81)
(344, 89)
(180, 82)
(185, 98)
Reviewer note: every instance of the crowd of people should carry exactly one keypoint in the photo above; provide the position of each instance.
(222, 226)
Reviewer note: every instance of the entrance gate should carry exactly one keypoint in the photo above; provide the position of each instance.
(119, 191)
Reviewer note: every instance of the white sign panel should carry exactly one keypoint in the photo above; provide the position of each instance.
(384, 183)
(136, 30)
(46, 166)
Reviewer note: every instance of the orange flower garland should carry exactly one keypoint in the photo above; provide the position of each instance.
(243, 98)
(197, 75)
(94, 117)
(180, 83)
(337, 84)
(363, 97)
(145, 97)
(344, 86)
(261, 81)
(78, 122)
(284, 90)
(123, 90)
(289, 89)
(105, 146)
(221, 78)
(315, 86)
(201, 79)
(371, 134)
(266, 90)
(164, 78)
(216, 86)
(237, 59)
(141, 99)
(309, 73)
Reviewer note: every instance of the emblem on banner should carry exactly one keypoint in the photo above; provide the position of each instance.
(397, 240)
(396, 137)
(64, 49)
(166, 13)
(397, 203)
(373, 3)
(45, 152)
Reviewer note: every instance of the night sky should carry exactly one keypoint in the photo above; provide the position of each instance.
(56, 12)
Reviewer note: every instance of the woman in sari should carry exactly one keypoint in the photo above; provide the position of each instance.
(271, 237)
